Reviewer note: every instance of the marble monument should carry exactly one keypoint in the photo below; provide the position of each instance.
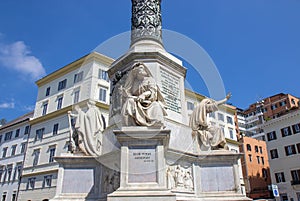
(147, 151)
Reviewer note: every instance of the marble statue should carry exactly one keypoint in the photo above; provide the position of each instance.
(208, 135)
(88, 129)
(179, 178)
(143, 101)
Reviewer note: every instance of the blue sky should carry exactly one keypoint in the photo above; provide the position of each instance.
(254, 44)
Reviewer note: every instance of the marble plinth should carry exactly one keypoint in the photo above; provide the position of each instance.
(142, 165)
(79, 178)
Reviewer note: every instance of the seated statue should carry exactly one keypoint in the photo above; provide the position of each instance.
(88, 129)
(209, 136)
(144, 103)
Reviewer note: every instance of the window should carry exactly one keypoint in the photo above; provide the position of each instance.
(264, 173)
(55, 129)
(250, 157)
(273, 107)
(51, 154)
(76, 96)
(282, 103)
(298, 147)
(23, 146)
(220, 117)
(271, 136)
(36, 155)
(45, 107)
(229, 120)
(62, 84)
(4, 152)
(59, 102)
(256, 149)
(290, 150)
(279, 177)
(47, 181)
(39, 134)
(295, 176)
(14, 196)
(286, 131)
(1, 172)
(9, 172)
(102, 94)
(103, 75)
(274, 153)
(8, 136)
(262, 160)
(212, 115)
(248, 147)
(18, 169)
(296, 128)
(260, 150)
(190, 106)
(30, 183)
(17, 134)
(4, 196)
(27, 130)
(13, 150)
(78, 77)
(48, 91)
(231, 133)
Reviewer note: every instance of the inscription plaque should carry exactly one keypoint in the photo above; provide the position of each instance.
(171, 90)
(142, 164)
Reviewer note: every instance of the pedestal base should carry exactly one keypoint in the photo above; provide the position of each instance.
(79, 179)
(141, 196)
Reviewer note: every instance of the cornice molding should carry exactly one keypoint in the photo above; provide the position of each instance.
(94, 56)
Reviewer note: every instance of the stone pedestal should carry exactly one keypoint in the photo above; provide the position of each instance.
(206, 176)
(79, 178)
(142, 165)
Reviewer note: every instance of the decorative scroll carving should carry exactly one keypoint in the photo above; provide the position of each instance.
(146, 20)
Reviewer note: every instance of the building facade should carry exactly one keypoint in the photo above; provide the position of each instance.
(256, 169)
(283, 142)
(58, 92)
(13, 142)
(273, 106)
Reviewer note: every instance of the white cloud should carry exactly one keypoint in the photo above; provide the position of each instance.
(29, 107)
(17, 56)
(10, 105)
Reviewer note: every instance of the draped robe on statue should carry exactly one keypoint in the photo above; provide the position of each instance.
(89, 127)
(209, 136)
(144, 104)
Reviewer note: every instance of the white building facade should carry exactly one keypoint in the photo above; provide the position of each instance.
(13, 141)
(283, 144)
(83, 80)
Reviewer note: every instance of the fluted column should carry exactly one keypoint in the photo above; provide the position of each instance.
(146, 21)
